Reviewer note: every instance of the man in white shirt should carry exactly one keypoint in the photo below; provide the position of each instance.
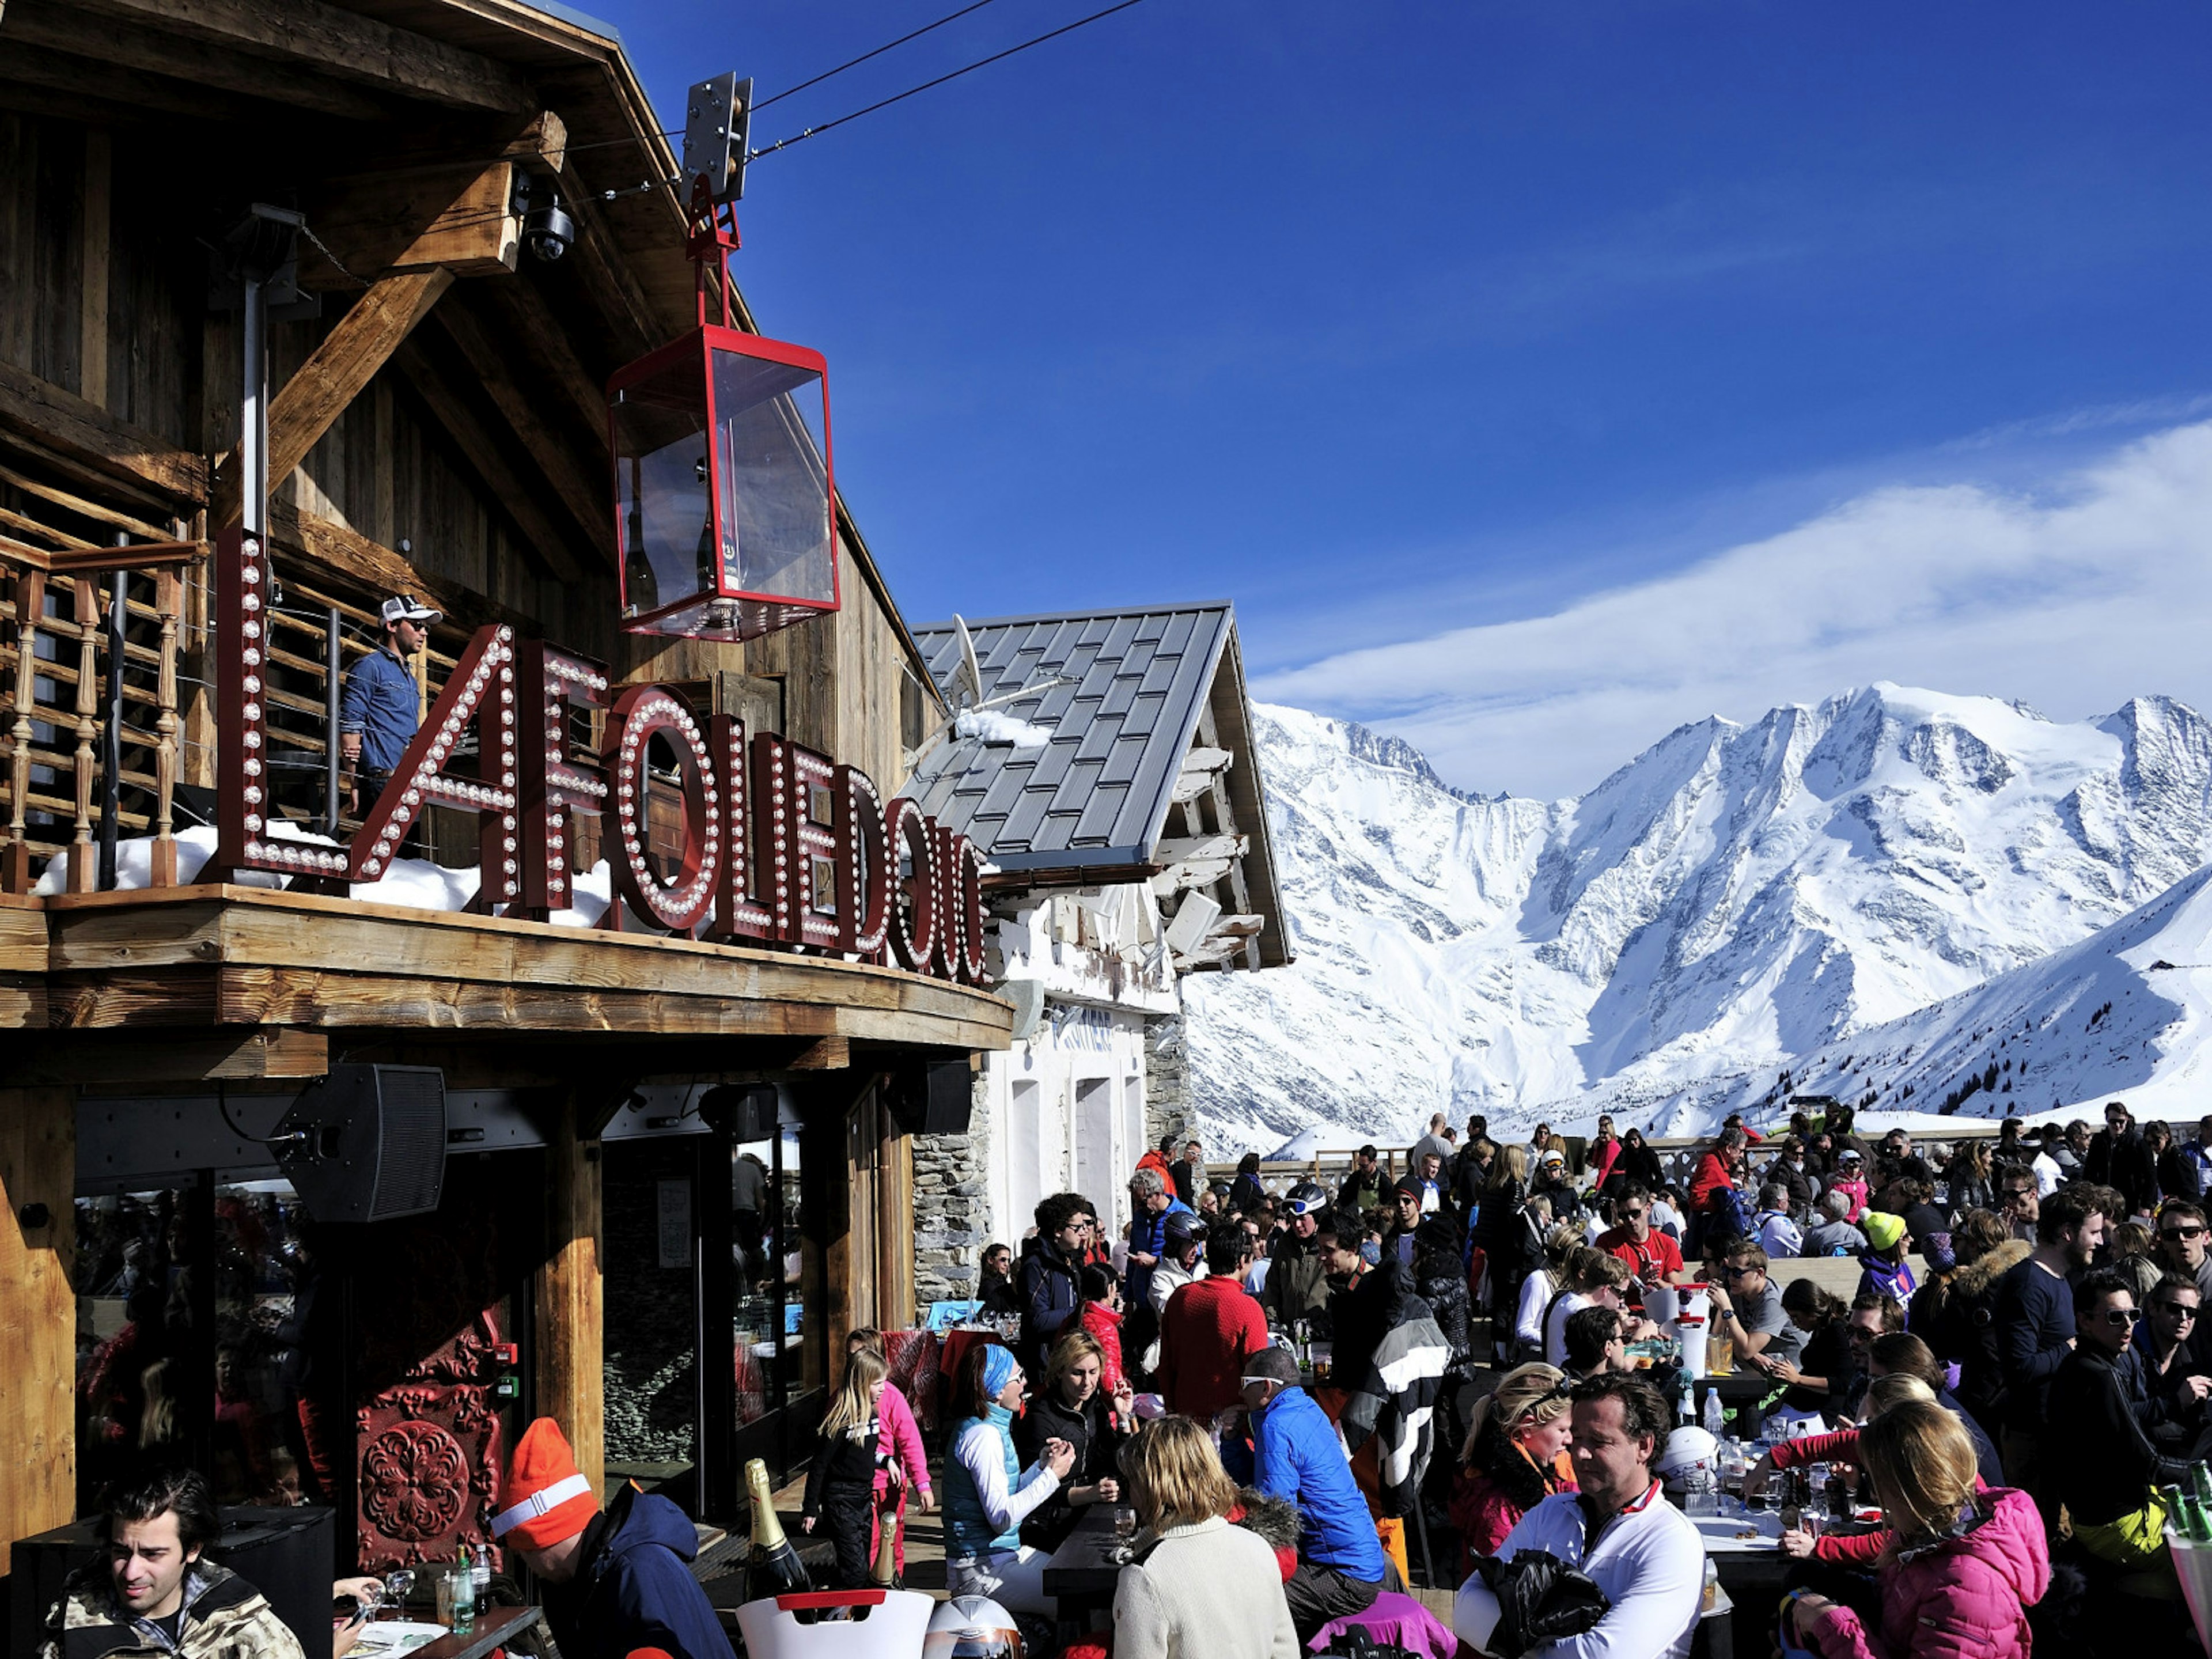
(1647, 1559)
(2049, 1177)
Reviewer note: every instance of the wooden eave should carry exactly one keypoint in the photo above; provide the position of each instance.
(224, 955)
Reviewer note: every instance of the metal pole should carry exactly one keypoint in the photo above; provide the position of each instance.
(253, 405)
(110, 747)
(333, 686)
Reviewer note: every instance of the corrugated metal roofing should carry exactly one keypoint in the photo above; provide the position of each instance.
(1097, 794)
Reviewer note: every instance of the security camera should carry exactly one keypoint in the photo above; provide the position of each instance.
(547, 229)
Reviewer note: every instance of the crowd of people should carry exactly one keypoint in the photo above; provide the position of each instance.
(1289, 1387)
(2006, 1342)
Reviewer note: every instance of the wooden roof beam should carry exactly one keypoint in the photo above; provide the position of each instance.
(311, 402)
(580, 486)
(458, 219)
(519, 497)
(380, 570)
(197, 66)
(71, 76)
(335, 42)
(60, 421)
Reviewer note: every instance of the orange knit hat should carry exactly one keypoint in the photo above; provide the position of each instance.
(545, 1499)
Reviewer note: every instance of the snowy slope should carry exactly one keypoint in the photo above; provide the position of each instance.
(2126, 1012)
(1735, 895)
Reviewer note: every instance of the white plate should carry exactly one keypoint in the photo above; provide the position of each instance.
(1719, 1531)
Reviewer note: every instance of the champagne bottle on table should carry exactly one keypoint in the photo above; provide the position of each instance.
(775, 1568)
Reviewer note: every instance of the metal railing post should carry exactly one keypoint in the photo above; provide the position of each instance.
(332, 687)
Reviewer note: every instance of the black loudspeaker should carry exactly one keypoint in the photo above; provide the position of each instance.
(932, 1099)
(743, 1111)
(366, 1142)
(950, 1092)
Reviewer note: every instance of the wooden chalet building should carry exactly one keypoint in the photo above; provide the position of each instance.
(675, 1160)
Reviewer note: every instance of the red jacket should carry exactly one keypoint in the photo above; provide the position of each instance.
(1965, 1598)
(1103, 1325)
(1712, 1175)
(1205, 1331)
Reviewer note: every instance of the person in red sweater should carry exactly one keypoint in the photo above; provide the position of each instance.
(1206, 1330)
(1717, 1169)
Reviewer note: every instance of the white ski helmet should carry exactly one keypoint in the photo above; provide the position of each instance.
(972, 1627)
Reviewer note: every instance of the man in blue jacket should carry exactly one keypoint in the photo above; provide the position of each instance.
(617, 1581)
(1151, 1204)
(1050, 1299)
(382, 705)
(1299, 1458)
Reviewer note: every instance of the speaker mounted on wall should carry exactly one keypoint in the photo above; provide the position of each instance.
(366, 1142)
(932, 1099)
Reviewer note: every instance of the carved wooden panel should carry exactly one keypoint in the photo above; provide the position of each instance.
(428, 1429)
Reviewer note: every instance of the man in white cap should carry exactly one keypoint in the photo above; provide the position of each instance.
(383, 705)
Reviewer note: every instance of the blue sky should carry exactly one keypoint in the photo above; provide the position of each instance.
(1419, 331)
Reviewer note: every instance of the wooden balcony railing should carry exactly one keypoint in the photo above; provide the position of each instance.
(90, 693)
(88, 685)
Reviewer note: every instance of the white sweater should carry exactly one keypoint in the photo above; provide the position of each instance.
(1211, 1591)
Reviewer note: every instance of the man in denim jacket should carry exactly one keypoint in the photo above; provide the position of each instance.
(383, 705)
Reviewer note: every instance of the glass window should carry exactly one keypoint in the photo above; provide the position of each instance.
(263, 1277)
(139, 1335)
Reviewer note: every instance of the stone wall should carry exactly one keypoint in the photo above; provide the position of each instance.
(1167, 1079)
(951, 1207)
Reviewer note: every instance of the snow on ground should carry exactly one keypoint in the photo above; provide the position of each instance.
(414, 883)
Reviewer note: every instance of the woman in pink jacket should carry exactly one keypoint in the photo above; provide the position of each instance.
(1964, 1567)
(902, 1462)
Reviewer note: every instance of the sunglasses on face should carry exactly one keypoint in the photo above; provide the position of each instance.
(1736, 1272)
(1634, 1215)
(2185, 1230)
(2175, 1311)
(2118, 1318)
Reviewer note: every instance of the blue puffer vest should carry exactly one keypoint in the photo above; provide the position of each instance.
(969, 1537)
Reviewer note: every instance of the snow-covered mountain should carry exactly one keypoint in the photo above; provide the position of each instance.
(1735, 898)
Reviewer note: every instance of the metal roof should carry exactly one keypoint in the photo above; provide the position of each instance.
(1097, 794)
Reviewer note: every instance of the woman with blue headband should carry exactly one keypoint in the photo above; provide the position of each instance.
(987, 1493)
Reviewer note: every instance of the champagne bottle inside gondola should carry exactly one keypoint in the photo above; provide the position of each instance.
(775, 1568)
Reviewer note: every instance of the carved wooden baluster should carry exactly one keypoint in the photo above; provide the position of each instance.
(84, 857)
(169, 602)
(30, 603)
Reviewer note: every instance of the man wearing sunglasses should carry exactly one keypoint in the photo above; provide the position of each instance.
(1652, 1257)
(2182, 1239)
(2163, 1343)
(2104, 1466)
(1746, 1305)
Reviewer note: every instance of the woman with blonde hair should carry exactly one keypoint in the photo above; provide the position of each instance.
(1074, 1406)
(1515, 1458)
(841, 1485)
(1964, 1566)
(1202, 1588)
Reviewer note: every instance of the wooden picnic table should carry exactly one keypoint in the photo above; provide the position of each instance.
(1083, 1573)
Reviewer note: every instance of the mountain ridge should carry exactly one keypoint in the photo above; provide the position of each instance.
(1734, 895)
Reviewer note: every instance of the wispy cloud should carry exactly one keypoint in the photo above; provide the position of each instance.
(2074, 598)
